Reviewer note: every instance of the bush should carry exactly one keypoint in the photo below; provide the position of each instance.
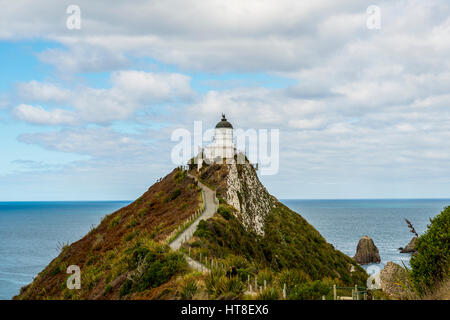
(211, 281)
(188, 289)
(107, 290)
(291, 278)
(202, 230)
(142, 212)
(133, 223)
(265, 274)
(160, 270)
(431, 263)
(175, 194)
(224, 212)
(313, 290)
(152, 265)
(114, 222)
(125, 288)
(218, 285)
(179, 176)
(55, 271)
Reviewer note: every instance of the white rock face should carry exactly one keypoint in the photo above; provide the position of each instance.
(247, 194)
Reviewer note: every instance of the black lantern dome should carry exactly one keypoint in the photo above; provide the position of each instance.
(224, 123)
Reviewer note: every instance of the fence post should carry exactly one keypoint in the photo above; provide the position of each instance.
(265, 284)
(356, 292)
(324, 298)
(334, 292)
(284, 291)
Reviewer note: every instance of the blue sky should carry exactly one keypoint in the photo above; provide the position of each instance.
(88, 114)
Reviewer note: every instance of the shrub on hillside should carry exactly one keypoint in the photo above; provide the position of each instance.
(175, 194)
(430, 265)
(290, 278)
(188, 289)
(179, 176)
(224, 212)
(312, 290)
(152, 266)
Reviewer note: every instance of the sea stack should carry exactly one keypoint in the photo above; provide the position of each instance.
(366, 251)
(410, 247)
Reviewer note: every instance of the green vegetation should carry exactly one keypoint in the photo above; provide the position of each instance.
(430, 265)
(152, 264)
(114, 222)
(312, 290)
(175, 194)
(224, 212)
(189, 288)
(179, 176)
(290, 248)
(220, 286)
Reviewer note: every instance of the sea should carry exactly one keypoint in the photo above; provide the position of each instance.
(32, 233)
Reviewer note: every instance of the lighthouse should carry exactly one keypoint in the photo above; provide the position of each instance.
(222, 148)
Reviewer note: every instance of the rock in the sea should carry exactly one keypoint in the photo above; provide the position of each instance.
(366, 251)
(394, 281)
(410, 247)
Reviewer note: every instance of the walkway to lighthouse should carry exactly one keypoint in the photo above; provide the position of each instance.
(211, 205)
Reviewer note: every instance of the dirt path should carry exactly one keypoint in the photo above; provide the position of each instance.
(211, 205)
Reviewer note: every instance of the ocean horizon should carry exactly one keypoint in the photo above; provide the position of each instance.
(32, 232)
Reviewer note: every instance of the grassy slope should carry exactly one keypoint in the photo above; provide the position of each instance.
(107, 254)
(290, 242)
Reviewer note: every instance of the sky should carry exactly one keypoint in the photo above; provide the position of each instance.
(88, 113)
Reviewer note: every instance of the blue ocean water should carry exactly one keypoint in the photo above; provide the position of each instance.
(30, 231)
(344, 222)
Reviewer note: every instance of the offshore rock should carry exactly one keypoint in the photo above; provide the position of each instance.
(366, 251)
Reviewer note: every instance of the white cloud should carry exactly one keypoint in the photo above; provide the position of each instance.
(37, 91)
(131, 91)
(94, 142)
(38, 115)
(370, 107)
(81, 58)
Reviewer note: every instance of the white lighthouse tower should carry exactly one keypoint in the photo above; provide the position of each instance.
(222, 149)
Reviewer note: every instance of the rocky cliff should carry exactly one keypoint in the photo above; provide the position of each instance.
(247, 194)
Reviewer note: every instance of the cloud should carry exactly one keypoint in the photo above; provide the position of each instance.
(368, 110)
(44, 92)
(131, 91)
(215, 36)
(80, 58)
(95, 142)
(38, 115)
